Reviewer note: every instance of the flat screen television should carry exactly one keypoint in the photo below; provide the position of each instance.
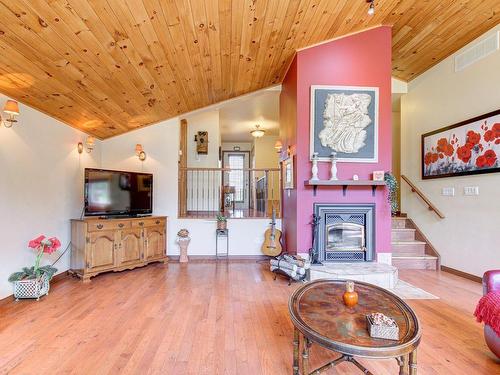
(113, 193)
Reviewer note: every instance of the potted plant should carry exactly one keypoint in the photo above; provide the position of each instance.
(221, 221)
(34, 282)
(392, 197)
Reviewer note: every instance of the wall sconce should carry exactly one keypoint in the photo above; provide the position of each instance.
(278, 146)
(89, 145)
(139, 151)
(11, 108)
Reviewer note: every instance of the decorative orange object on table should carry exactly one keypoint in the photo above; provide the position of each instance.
(350, 297)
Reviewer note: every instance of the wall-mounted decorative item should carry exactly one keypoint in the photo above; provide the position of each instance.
(344, 119)
(278, 146)
(139, 151)
(468, 147)
(11, 109)
(288, 173)
(201, 140)
(88, 146)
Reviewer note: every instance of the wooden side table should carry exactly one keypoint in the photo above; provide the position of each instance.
(319, 316)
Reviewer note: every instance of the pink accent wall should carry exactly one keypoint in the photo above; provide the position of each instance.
(362, 59)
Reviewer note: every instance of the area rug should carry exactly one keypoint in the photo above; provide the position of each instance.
(406, 290)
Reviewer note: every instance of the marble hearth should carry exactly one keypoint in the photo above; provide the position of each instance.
(383, 275)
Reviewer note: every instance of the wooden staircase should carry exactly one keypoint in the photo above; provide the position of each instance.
(410, 248)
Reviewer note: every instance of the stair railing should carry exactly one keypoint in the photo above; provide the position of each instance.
(416, 190)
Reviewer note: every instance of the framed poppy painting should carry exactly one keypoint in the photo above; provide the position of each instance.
(469, 147)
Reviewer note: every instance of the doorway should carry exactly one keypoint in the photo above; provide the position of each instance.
(236, 182)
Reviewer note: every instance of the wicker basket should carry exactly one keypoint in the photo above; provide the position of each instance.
(32, 288)
(381, 331)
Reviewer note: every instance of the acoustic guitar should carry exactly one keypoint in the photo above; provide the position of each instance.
(272, 237)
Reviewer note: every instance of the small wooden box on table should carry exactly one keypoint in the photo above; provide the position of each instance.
(103, 245)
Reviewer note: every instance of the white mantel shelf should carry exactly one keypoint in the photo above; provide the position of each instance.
(344, 184)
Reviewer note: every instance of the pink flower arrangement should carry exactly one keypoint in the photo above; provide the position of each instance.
(43, 245)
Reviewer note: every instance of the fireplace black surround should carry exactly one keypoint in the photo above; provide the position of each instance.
(344, 232)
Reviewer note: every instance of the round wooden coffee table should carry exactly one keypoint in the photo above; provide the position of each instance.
(320, 316)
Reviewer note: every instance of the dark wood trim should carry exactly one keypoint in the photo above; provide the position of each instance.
(463, 274)
(182, 193)
(55, 279)
(231, 258)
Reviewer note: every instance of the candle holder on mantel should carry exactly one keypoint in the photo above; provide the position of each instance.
(333, 168)
(314, 167)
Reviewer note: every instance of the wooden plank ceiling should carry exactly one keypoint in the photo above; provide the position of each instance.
(110, 66)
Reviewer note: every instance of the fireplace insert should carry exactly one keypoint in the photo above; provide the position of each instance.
(344, 232)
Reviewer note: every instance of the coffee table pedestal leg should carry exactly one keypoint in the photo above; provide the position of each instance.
(305, 355)
(413, 362)
(295, 351)
(403, 364)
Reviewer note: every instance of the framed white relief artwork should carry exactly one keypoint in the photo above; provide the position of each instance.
(344, 119)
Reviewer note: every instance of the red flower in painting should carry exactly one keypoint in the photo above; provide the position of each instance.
(481, 161)
(473, 137)
(442, 143)
(428, 158)
(449, 150)
(444, 147)
(496, 130)
(489, 136)
(488, 159)
(464, 153)
(469, 145)
(491, 158)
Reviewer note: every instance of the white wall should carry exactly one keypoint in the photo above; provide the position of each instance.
(467, 238)
(41, 187)
(161, 143)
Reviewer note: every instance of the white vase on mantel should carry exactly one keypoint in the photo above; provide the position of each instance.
(314, 168)
(333, 168)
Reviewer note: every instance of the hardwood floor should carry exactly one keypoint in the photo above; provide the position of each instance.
(212, 318)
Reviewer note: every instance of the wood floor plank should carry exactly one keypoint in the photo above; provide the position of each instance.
(212, 318)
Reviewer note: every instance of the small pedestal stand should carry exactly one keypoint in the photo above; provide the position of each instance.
(183, 246)
(221, 235)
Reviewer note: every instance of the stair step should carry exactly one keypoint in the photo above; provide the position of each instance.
(426, 262)
(408, 248)
(403, 234)
(399, 222)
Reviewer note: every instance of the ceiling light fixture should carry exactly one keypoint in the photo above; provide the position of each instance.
(371, 9)
(257, 132)
(11, 108)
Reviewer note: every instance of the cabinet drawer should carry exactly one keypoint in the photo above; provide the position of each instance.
(108, 225)
(150, 222)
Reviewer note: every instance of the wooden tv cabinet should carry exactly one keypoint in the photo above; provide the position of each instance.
(103, 245)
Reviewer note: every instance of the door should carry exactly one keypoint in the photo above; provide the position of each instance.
(238, 179)
(154, 240)
(131, 246)
(102, 251)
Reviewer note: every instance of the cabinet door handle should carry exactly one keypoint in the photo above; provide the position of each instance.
(87, 265)
(100, 226)
(141, 223)
(157, 221)
(121, 225)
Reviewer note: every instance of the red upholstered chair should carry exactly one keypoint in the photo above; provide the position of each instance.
(491, 282)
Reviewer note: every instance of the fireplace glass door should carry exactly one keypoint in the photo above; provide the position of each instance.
(345, 237)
